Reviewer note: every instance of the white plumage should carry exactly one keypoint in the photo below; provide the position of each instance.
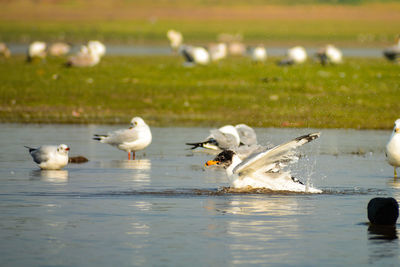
(136, 138)
(226, 137)
(194, 55)
(295, 55)
(330, 54)
(37, 50)
(218, 51)
(259, 54)
(175, 39)
(50, 157)
(97, 47)
(393, 147)
(265, 169)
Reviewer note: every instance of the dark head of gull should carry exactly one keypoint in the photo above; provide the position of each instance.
(223, 159)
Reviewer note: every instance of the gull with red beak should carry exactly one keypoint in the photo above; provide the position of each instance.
(393, 147)
(137, 137)
(50, 157)
(265, 169)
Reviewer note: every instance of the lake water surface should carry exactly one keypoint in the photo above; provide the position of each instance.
(167, 209)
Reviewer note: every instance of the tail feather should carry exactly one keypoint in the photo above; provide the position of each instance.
(30, 148)
(196, 145)
(99, 137)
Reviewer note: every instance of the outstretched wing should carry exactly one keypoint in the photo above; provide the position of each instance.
(278, 154)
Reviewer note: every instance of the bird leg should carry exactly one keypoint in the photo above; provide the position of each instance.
(395, 173)
(129, 155)
(133, 155)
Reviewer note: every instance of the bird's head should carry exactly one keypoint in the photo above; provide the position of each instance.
(137, 121)
(63, 149)
(223, 159)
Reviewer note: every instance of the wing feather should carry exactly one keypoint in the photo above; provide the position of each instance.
(278, 154)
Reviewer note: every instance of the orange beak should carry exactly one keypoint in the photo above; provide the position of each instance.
(211, 162)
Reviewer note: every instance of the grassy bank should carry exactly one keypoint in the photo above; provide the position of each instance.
(361, 93)
(144, 22)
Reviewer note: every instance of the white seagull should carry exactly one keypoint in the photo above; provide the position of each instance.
(295, 55)
(175, 39)
(97, 47)
(194, 55)
(50, 157)
(218, 51)
(86, 57)
(137, 137)
(259, 54)
(36, 50)
(226, 137)
(59, 49)
(265, 169)
(393, 147)
(330, 54)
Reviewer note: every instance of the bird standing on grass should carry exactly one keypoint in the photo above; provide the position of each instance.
(50, 157)
(393, 147)
(137, 137)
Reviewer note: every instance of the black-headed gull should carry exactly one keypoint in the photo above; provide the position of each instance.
(393, 147)
(136, 138)
(226, 137)
(265, 169)
(329, 54)
(50, 157)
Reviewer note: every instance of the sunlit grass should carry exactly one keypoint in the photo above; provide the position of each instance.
(361, 93)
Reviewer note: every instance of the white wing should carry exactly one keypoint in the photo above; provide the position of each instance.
(279, 154)
(121, 136)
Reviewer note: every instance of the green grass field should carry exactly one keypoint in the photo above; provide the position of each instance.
(361, 93)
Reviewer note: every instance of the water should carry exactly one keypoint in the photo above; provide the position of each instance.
(166, 209)
(376, 52)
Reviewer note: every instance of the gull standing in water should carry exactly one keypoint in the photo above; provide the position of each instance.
(226, 137)
(265, 169)
(50, 157)
(137, 137)
(393, 147)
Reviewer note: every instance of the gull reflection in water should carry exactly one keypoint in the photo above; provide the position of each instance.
(53, 176)
(258, 225)
(141, 169)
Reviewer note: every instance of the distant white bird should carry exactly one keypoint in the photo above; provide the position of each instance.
(393, 147)
(97, 47)
(226, 137)
(86, 57)
(265, 169)
(175, 38)
(36, 50)
(50, 157)
(259, 54)
(194, 55)
(393, 53)
(236, 49)
(218, 51)
(4, 51)
(59, 49)
(295, 55)
(136, 138)
(330, 54)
